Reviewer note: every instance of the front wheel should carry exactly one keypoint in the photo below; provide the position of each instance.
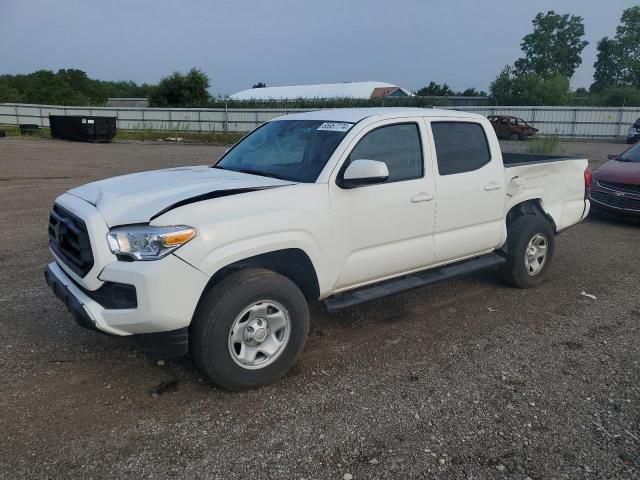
(250, 329)
(530, 247)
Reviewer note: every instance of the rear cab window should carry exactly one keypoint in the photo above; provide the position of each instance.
(460, 147)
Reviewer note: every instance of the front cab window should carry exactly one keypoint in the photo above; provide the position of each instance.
(398, 146)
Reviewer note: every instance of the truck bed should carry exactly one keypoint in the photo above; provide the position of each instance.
(517, 159)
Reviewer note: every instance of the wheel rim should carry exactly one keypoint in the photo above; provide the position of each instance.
(536, 254)
(259, 334)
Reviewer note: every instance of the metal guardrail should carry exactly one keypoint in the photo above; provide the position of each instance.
(585, 122)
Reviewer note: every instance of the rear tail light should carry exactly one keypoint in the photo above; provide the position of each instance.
(588, 179)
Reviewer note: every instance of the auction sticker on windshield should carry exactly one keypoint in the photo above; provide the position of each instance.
(335, 126)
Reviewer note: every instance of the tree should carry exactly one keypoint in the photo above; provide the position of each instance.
(66, 87)
(627, 96)
(501, 89)
(618, 61)
(179, 90)
(607, 67)
(554, 46)
(472, 92)
(435, 90)
(628, 46)
(514, 88)
(259, 85)
(532, 89)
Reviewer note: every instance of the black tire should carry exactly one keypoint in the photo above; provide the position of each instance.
(215, 317)
(514, 136)
(522, 231)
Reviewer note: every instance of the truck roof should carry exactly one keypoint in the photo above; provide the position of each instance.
(357, 114)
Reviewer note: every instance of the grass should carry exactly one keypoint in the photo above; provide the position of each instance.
(208, 137)
(218, 138)
(544, 145)
(12, 131)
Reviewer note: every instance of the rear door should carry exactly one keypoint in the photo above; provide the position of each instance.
(386, 229)
(469, 188)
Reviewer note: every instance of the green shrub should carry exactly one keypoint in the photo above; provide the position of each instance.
(544, 145)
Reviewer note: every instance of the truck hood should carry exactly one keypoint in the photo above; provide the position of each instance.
(138, 197)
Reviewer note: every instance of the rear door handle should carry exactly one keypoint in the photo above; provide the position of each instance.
(492, 186)
(422, 197)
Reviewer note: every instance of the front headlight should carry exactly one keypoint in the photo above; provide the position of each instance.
(148, 243)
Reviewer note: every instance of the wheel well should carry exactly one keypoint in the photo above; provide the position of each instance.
(292, 263)
(529, 207)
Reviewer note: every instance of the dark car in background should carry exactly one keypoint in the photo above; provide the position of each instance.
(511, 128)
(633, 134)
(616, 184)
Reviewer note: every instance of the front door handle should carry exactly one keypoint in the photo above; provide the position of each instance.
(492, 186)
(422, 197)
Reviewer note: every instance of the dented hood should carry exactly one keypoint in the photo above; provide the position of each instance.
(138, 197)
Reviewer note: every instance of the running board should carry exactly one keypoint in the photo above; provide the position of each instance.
(352, 298)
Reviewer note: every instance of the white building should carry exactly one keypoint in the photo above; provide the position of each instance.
(327, 90)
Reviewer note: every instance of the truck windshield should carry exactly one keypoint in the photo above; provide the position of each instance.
(295, 150)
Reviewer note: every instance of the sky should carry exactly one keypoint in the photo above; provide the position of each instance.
(237, 43)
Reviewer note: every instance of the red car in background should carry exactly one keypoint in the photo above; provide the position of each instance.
(511, 128)
(616, 184)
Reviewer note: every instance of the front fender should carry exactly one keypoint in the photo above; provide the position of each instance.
(238, 250)
(235, 228)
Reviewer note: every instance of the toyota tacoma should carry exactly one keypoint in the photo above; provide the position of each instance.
(337, 206)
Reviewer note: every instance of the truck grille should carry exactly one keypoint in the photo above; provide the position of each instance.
(620, 187)
(69, 240)
(616, 201)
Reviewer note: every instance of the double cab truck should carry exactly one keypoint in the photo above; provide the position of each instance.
(338, 206)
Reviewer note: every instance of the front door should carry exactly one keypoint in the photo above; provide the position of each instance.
(386, 229)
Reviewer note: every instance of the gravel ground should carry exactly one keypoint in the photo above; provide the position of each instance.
(467, 379)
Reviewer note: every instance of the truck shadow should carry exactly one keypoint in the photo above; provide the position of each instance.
(602, 218)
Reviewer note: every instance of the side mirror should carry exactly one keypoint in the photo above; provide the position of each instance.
(364, 172)
(612, 156)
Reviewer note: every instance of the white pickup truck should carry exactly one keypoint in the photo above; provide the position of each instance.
(337, 206)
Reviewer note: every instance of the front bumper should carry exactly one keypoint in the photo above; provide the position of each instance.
(156, 345)
(164, 293)
(62, 291)
(167, 293)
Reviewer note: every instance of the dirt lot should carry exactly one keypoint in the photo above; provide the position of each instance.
(469, 379)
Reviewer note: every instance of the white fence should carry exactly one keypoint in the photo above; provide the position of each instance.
(588, 122)
(174, 119)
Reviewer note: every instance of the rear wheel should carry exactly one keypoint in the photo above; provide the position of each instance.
(250, 329)
(530, 247)
(514, 136)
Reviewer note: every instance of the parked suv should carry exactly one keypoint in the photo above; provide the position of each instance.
(511, 128)
(616, 184)
(337, 206)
